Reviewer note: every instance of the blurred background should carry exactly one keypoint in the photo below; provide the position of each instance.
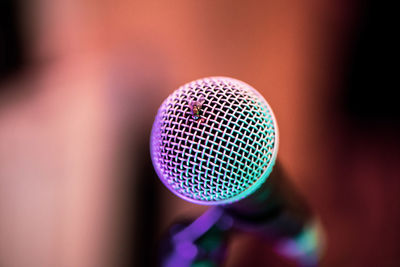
(80, 84)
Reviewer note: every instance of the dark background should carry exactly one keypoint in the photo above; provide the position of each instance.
(80, 83)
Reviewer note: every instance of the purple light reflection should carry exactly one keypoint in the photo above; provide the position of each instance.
(199, 226)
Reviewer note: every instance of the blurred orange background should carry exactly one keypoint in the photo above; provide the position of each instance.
(79, 96)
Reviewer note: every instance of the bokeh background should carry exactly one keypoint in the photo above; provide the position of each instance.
(80, 84)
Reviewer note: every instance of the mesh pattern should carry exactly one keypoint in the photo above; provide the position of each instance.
(221, 157)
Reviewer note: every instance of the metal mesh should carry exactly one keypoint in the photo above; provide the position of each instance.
(223, 155)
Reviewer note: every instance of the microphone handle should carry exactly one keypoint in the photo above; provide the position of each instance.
(275, 211)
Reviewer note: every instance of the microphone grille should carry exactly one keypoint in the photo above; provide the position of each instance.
(214, 141)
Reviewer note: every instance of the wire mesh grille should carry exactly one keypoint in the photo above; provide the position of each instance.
(224, 153)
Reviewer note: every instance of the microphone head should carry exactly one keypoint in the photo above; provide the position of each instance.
(214, 141)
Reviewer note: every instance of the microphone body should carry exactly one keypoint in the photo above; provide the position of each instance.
(215, 142)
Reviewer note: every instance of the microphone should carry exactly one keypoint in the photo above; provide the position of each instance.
(215, 141)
